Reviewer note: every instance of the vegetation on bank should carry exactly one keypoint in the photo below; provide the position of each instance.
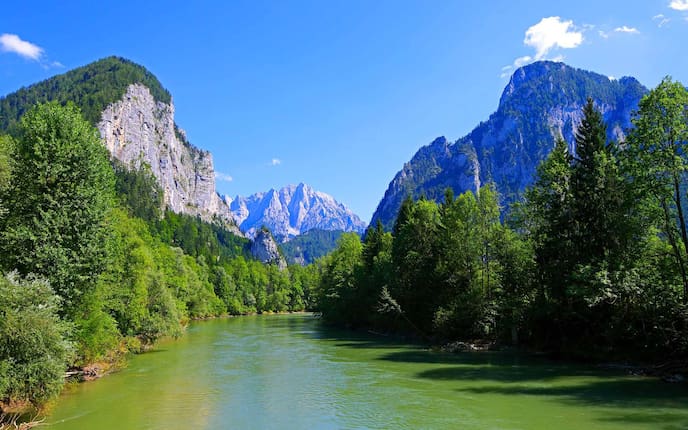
(94, 268)
(592, 263)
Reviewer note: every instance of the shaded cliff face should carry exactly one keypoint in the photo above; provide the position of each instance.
(293, 210)
(138, 129)
(264, 248)
(542, 101)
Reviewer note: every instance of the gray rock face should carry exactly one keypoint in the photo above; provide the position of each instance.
(291, 211)
(265, 249)
(542, 101)
(137, 130)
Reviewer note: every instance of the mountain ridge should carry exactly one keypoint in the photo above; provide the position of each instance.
(291, 211)
(541, 101)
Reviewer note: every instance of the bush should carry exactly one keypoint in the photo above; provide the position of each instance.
(33, 343)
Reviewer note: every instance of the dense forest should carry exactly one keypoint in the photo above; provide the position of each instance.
(305, 248)
(592, 263)
(94, 268)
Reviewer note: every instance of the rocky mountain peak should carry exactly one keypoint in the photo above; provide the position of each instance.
(292, 210)
(541, 102)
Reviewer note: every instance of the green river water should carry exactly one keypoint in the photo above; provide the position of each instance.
(291, 372)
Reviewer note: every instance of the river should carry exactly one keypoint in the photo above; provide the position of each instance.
(291, 372)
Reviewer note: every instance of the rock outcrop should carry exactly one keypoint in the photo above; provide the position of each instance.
(265, 249)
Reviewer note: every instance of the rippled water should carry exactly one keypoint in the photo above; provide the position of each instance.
(290, 372)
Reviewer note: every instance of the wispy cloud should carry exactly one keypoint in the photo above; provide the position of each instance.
(550, 34)
(14, 44)
(275, 162)
(660, 19)
(627, 29)
(681, 5)
(603, 34)
(223, 177)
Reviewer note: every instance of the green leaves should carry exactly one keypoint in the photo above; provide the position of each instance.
(33, 346)
(59, 203)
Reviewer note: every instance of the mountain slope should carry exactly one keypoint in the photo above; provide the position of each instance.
(311, 245)
(135, 117)
(291, 211)
(543, 100)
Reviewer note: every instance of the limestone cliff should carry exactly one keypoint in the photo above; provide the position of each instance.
(138, 129)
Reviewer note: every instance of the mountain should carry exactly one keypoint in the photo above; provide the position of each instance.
(292, 210)
(311, 245)
(135, 117)
(543, 100)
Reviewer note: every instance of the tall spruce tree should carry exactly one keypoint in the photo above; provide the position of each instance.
(588, 182)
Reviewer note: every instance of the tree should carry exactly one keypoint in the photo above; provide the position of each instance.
(659, 145)
(339, 295)
(587, 181)
(414, 258)
(57, 225)
(6, 145)
(548, 218)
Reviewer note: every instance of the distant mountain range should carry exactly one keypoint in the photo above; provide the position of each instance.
(543, 100)
(291, 211)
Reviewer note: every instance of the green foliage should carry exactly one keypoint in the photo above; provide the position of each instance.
(657, 156)
(33, 345)
(309, 246)
(212, 241)
(139, 191)
(339, 286)
(57, 223)
(92, 88)
(6, 149)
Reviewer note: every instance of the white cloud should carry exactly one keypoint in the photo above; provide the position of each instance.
(679, 5)
(13, 43)
(660, 19)
(549, 34)
(275, 162)
(552, 33)
(603, 34)
(626, 29)
(223, 177)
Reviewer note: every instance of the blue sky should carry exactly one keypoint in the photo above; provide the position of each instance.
(337, 94)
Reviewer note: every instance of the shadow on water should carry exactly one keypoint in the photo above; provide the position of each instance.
(625, 399)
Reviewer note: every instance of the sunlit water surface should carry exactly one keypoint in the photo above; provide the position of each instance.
(291, 372)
